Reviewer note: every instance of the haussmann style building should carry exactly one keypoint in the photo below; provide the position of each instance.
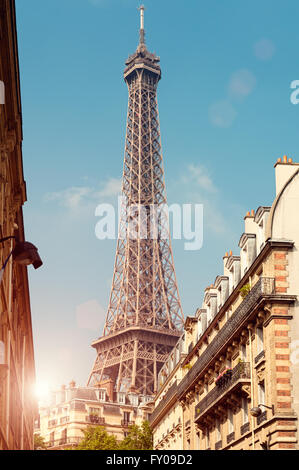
(232, 381)
(72, 409)
(18, 407)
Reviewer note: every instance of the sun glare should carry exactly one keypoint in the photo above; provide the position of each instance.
(42, 391)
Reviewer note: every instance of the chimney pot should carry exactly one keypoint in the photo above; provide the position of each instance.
(285, 159)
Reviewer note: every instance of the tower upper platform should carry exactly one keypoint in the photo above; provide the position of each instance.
(142, 58)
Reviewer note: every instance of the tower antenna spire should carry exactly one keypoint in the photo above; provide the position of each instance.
(142, 32)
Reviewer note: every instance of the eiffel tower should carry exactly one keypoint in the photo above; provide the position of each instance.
(144, 318)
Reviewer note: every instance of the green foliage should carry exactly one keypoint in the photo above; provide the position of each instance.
(244, 291)
(39, 442)
(138, 438)
(97, 438)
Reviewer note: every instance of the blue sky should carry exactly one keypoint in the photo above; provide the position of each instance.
(225, 115)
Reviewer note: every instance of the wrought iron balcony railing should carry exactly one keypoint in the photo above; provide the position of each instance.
(239, 373)
(264, 286)
(172, 392)
(52, 422)
(244, 428)
(94, 419)
(126, 423)
(259, 357)
(64, 419)
(64, 441)
(230, 437)
(218, 445)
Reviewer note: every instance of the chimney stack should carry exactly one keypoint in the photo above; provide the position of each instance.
(284, 169)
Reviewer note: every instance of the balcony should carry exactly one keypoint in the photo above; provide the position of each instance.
(265, 286)
(126, 423)
(64, 441)
(240, 375)
(52, 422)
(218, 445)
(170, 395)
(94, 419)
(65, 419)
(260, 356)
(244, 428)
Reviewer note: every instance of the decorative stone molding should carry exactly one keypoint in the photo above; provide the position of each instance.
(260, 318)
(260, 373)
(247, 390)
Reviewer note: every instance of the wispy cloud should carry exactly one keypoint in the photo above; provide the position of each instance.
(199, 174)
(111, 187)
(199, 187)
(77, 196)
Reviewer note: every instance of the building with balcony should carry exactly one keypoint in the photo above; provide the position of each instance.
(72, 409)
(241, 347)
(17, 370)
(167, 417)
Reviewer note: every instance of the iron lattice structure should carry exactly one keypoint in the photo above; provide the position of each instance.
(144, 318)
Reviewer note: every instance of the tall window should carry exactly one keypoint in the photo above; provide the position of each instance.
(207, 438)
(261, 394)
(218, 430)
(243, 352)
(52, 438)
(126, 416)
(260, 339)
(230, 421)
(198, 441)
(244, 410)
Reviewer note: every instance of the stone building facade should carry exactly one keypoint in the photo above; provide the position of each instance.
(72, 409)
(240, 368)
(17, 372)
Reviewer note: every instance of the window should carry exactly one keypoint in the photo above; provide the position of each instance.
(243, 352)
(52, 438)
(230, 421)
(102, 394)
(121, 397)
(218, 430)
(207, 438)
(261, 394)
(260, 339)
(244, 410)
(198, 441)
(126, 416)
